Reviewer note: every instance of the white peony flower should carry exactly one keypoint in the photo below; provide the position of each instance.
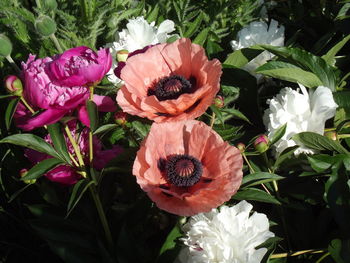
(259, 33)
(226, 236)
(301, 111)
(137, 35)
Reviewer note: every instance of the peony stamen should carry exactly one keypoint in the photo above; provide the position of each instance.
(170, 88)
(183, 170)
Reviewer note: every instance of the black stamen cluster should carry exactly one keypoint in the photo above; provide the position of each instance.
(183, 181)
(162, 92)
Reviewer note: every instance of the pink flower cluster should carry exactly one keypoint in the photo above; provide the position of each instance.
(58, 85)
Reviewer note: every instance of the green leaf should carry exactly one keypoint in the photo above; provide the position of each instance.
(152, 16)
(320, 162)
(285, 155)
(218, 113)
(307, 61)
(278, 134)
(342, 98)
(241, 57)
(237, 114)
(202, 36)
(59, 141)
(194, 26)
(289, 72)
(33, 142)
(340, 250)
(168, 251)
(41, 168)
(93, 114)
(17, 193)
(329, 56)
(141, 128)
(259, 178)
(78, 191)
(255, 195)
(10, 110)
(318, 142)
(105, 128)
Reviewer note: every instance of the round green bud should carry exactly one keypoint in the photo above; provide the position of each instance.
(5, 46)
(261, 143)
(45, 26)
(50, 5)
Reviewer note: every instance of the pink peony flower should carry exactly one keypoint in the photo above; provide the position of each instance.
(43, 92)
(66, 174)
(80, 66)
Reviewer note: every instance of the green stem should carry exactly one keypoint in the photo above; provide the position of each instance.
(212, 120)
(102, 216)
(57, 44)
(323, 257)
(38, 4)
(297, 253)
(91, 145)
(27, 105)
(76, 148)
(13, 64)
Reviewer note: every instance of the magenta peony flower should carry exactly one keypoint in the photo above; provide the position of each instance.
(43, 92)
(66, 174)
(80, 66)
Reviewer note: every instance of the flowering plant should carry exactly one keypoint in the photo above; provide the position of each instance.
(174, 131)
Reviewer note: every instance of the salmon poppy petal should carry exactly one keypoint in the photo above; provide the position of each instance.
(169, 82)
(207, 170)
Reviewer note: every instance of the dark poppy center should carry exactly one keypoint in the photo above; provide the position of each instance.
(183, 170)
(170, 88)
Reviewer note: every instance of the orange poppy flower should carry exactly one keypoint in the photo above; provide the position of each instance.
(169, 82)
(186, 168)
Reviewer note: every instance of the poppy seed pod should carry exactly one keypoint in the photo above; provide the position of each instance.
(45, 26)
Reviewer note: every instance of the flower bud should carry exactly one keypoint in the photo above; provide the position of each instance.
(122, 55)
(331, 135)
(14, 85)
(23, 172)
(241, 147)
(5, 46)
(120, 118)
(219, 101)
(50, 5)
(261, 143)
(45, 26)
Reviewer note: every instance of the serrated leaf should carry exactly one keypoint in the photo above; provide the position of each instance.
(318, 142)
(59, 141)
(259, 178)
(289, 72)
(141, 128)
(10, 110)
(255, 195)
(202, 36)
(77, 193)
(33, 142)
(218, 113)
(194, 26)
(41, 168)
(93, 114)
(153, 15)
(241, 57)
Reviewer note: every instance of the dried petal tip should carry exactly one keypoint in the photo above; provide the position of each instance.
(241, 147)
(331, 135)
(219, 101)
(122, 55)
(23, 172)
(261, 143)
(121, 118)
(14, 85)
